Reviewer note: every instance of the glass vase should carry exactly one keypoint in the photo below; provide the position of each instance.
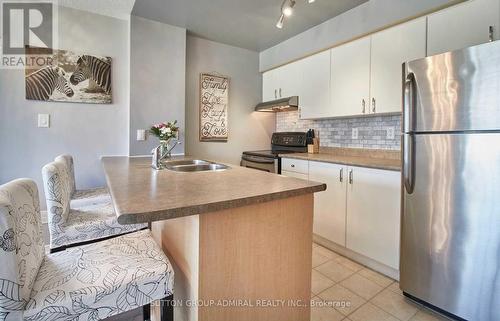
(164, 148)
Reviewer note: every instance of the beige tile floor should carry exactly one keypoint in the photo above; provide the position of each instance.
(345, 290)
(352, 292)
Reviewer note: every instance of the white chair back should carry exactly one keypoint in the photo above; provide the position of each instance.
(57, 195)
(21, 245)
(68, 160)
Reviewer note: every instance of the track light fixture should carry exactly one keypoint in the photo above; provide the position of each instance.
(287, 11)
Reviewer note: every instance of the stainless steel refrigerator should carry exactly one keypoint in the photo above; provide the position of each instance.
(450, 231)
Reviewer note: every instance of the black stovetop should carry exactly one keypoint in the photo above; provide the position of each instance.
(283, 143)
(269, 153)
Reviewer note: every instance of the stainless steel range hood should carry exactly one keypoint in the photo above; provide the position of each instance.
(283, 104)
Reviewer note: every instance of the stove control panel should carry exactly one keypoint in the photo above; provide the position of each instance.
(292, 139)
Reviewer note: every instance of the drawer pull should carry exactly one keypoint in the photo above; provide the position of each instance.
(292, 165)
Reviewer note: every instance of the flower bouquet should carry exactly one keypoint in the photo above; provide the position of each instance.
(165, 131)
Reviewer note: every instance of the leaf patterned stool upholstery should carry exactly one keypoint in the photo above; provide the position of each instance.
(70, 226)
(90, 282)
(85, 196)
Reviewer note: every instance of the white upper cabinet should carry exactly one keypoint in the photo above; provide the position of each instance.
(350, 78)
(281, 82)
(314, 98)
(330, 205)
(389, 50)
(462, 26)
(269, 86)
(289, 80)
(373, 214)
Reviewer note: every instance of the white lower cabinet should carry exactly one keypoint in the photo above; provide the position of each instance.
(373, 214)
(330, 205)
(359, 210)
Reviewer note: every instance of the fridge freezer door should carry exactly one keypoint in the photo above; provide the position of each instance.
(450, 230)
(456, 91)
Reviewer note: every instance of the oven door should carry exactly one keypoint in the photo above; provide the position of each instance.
(265, 164)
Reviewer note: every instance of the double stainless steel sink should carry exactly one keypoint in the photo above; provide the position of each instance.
(193, 165)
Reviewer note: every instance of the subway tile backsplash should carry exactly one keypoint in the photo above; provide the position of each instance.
(372, 131)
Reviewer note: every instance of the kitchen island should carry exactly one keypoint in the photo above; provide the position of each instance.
(239, 239)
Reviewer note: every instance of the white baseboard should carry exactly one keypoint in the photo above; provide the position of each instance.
(361, 259)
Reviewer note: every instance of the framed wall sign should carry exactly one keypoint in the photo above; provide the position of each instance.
(214, 98)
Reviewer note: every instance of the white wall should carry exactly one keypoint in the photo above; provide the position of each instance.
(366, 18)
(157, 82)
(248, 130)
(86, 131)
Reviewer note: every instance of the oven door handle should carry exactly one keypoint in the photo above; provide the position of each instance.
(256, 159)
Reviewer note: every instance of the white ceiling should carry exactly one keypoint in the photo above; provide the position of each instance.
(115, 8)
(243, 23)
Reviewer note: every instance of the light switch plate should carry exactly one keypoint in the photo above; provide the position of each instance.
(43, 120)
(390, 132)
(141, 135)
(354, 133)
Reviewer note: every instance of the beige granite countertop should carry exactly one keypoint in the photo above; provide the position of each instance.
(380, 159)
(141, 194)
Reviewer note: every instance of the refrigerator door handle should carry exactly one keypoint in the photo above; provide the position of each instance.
(409, 163)
(409, 99)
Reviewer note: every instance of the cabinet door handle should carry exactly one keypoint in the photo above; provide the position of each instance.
(490, 33)
(350, 176)
(280, 92)
(341, 175)
(373, 105)
(363, 104)
(275, 94)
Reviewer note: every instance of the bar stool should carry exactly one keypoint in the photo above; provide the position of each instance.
(84, 196)
(90, 282)
(72, 226)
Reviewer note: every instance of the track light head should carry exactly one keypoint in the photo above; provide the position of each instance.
(280, 22)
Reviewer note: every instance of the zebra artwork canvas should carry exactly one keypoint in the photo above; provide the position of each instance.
(41, 84)
(71, 77)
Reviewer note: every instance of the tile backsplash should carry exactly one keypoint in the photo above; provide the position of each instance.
(372, 132)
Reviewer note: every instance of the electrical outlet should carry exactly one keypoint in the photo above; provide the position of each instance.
(354, 133)
(390, 132)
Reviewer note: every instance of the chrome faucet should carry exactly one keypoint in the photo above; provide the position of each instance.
(158, 156)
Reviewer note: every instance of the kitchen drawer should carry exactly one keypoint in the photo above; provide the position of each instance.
(295, 165)
(296, 175)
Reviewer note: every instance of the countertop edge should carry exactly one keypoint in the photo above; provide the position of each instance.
(135, 218)
(374, 166)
